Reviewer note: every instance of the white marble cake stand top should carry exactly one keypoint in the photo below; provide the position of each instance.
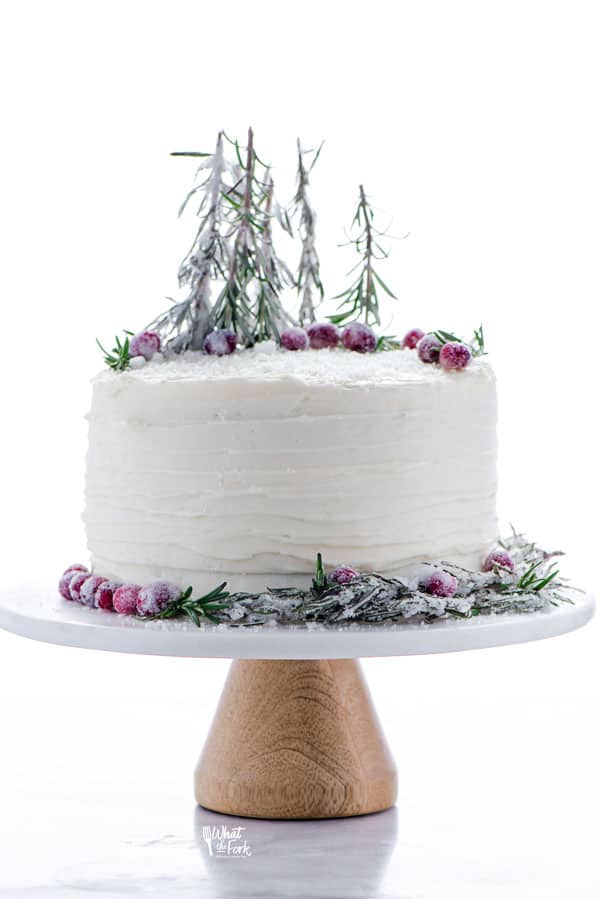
(35, 610)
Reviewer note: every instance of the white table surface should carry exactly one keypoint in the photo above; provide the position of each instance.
(35, 610)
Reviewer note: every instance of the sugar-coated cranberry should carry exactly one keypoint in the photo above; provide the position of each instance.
(87, 594)
(294, 339)
(145, 344)
(439, 583)
(125, 599)
(65, 580)
(323, 335)
(359, 337)
(104, 596)
(220, 343)
(412, 337)
(153, 598)
(75, 567)
(76, 582)
(498, 558)
(343, 574)
(428, 348)
(454, 356)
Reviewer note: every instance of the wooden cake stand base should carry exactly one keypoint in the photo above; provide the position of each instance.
(295, 734)
(295, 739)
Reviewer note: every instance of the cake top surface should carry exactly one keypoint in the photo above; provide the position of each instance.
(267, 363)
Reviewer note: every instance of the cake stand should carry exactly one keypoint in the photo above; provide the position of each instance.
(295, 734)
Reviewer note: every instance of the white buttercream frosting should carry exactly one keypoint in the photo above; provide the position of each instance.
(241, 468)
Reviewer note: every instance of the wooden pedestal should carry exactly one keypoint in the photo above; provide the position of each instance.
(295, 739)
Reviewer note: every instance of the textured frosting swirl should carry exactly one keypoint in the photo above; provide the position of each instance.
(241, 468)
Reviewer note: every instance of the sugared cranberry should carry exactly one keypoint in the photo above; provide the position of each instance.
(412, 337)
(63, 584)
(125, 599)
(103, 598)
(343, 574)
(294, 339)
(438, 582)
(428, 348)
(220, 343)
(323, 335)
(65, 580)
(153, 598)
(76, 583)
(454, 356)
(145, 344)
(359, 337)
(498, 558)
(75, 567)
(87, 594)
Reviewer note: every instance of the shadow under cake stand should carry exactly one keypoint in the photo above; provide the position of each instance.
(295, 734)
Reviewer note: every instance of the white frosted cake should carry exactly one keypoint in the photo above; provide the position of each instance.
(262, 453)
(242, 467)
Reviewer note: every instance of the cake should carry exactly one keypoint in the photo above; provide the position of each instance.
(254, 460)
(242, 467)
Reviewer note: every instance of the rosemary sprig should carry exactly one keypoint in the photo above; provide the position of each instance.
(387, 343)
(119, 357)
(205, 607)
(269, 315)
(308, 276)
(529, 581)
(186, 323)
(249, 301)
(361, 299)
(320, 583)
(476, 344)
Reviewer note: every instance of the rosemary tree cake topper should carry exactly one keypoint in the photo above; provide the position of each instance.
(361, 300)
(236, 280)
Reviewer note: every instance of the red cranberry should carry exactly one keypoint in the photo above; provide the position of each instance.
(220, 343)
(428, 348)
(75, 584)
(438, 582)
(412, 337)
(125, 599)
(323, 335)
(87, 594)
(454, 356)
(104, 595)
(359, 337)
(343, 574)
(145, 344)
(75, 567)
(153, 598)
(63, 584)
(294, 339)
(498, 558)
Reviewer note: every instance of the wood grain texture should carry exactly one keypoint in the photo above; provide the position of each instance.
(295, 739)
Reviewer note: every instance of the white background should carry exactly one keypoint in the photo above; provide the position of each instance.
(473, 125)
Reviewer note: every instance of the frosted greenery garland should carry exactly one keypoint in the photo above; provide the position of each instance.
(372, 598)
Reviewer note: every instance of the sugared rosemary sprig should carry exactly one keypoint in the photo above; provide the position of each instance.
(119, 357)
(270, 317)
(476, 344)
(361, 300)
(185, 324)
(204, 607)
(249, 301)
(308, 276)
